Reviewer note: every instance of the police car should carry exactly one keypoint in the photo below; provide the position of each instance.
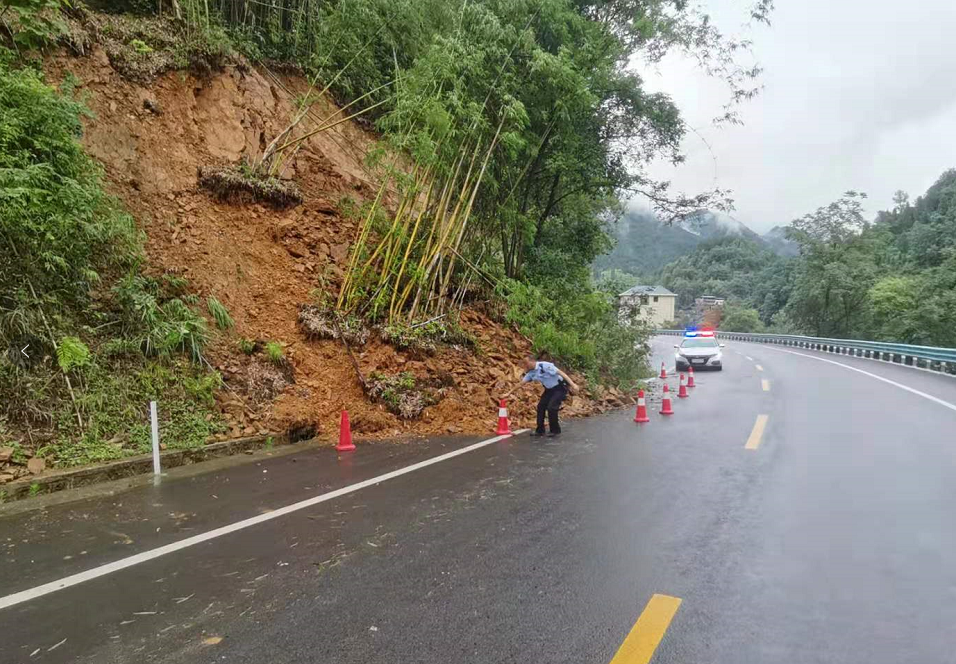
(699, 349)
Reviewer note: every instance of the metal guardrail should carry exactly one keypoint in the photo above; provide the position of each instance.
(930, 358)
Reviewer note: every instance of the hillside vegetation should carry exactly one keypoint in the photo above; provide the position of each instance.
(889, 279)
(457, 192)
(644, 243)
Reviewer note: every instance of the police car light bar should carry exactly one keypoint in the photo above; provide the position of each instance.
(694, 332)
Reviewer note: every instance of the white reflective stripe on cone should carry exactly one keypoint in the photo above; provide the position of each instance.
(640, 401)
(502, 412)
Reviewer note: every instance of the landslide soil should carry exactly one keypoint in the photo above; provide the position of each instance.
(262, 263)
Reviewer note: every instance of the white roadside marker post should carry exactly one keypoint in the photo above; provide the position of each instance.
(154, 426)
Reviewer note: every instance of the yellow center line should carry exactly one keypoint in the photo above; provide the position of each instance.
(756, 433)
(759, 368)
(646, 635)
(765, 384)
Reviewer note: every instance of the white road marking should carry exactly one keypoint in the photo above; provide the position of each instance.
(749, 358)
(941, 402)
(123, 563)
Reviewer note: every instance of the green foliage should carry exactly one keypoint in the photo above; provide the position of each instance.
(893, 279)
(275, 353)
(549, 84)
(246, 346)
(836, 269)
(737, 318)
(115, 412)
(71, 353)
(37, 23)
(59, 230)
(725, 267)
(140, 46)
(164, 325)
(614, 282)
(219, 313)
(427, 336)
(72, 269)
(579, 328)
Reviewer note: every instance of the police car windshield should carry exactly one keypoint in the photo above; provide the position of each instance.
(699, 343)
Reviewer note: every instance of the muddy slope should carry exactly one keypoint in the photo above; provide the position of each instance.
(261, 263)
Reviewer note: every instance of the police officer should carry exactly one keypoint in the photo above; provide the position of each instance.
(556, 384)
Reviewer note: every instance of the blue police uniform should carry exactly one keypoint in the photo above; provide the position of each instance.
(555, 391)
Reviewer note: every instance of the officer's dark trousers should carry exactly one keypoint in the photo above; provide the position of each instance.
(550, 402)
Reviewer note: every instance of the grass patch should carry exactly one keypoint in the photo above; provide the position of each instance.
(241, 185)
(275, 353)
(219, 313)
(114, 405)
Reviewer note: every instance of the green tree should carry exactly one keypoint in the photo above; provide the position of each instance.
(615, 282)
(725, 267)
(830, 295)
(737, 318)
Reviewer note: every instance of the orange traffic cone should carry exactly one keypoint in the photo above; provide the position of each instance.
(504, 426)
(666, 402)
(682, 391)
(663, 371)
(345, 434)
(641, 414)
(690, 377)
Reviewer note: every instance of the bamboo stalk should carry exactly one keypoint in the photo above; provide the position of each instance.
(278, 159)
(356, 248)
(270, 149)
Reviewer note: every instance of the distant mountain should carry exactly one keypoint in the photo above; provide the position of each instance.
(645, 245)
(708, 225)
(776, 239)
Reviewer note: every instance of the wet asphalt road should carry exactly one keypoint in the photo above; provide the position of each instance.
(832, 541)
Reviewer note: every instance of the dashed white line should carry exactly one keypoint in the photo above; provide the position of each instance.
(123, 563)
(941, 402)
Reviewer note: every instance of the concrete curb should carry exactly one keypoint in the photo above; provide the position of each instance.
(71, 478)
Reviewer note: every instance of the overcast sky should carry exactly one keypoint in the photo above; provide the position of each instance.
(858, 94)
